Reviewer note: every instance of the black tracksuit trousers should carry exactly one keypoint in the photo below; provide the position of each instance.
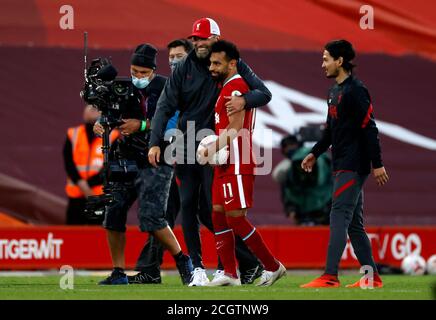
(346, 218)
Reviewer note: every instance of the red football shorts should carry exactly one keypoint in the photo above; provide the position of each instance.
(233, 192)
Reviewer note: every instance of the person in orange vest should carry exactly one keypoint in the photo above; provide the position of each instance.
(83, 161)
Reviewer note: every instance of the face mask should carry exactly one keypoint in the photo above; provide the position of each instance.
(290, 153)
(140, 83)
(174, 63)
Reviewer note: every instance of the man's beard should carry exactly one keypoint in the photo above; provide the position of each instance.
(203, 54)
(220, 77)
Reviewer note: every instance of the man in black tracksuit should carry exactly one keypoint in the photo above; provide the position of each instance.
(353, 135)
(192, 89)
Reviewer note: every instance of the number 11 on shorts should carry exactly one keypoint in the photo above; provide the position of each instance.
(227, 186)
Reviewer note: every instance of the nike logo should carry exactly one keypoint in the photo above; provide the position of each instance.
(219, 245)
(227, 202)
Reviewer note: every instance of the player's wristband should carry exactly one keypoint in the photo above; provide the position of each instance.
(143, 125)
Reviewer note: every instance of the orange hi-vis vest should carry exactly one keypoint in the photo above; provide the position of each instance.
(87, 158)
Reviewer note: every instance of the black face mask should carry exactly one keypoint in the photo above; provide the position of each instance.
(290, 153)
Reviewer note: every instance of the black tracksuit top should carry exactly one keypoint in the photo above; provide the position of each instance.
(351, 130)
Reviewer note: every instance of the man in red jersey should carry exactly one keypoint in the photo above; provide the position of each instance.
(232, 192)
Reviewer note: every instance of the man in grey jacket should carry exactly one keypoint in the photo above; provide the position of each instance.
(192, 90)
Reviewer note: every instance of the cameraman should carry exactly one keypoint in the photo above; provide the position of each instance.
(151, 256)
(306, 197)
(152, 184)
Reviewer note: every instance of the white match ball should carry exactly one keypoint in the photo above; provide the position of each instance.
(431, 265)
(413, 265)
(218, 158)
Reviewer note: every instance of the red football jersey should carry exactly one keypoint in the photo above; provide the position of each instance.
(241, 159)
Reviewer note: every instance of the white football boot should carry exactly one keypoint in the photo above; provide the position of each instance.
(269, 277)
(217, 274)
(221, 279)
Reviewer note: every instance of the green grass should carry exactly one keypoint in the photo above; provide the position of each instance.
(85, 287)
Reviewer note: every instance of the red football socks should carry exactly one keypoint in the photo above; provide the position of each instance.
(243, 228)
(225, 243)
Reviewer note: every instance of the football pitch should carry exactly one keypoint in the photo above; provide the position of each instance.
(397, 287)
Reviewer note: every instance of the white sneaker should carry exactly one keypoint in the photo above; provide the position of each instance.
(221, 279)
(199, 278)
(269, 277)
(217, 274)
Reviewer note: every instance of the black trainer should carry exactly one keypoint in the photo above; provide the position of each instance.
(184, 265)
(116, 278)
(248, 276)
(144, 278)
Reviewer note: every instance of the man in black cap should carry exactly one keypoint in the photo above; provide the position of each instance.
(151, 256)
(352, 132)
(152, 184)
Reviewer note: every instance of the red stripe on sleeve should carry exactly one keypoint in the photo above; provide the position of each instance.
(367, 117)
